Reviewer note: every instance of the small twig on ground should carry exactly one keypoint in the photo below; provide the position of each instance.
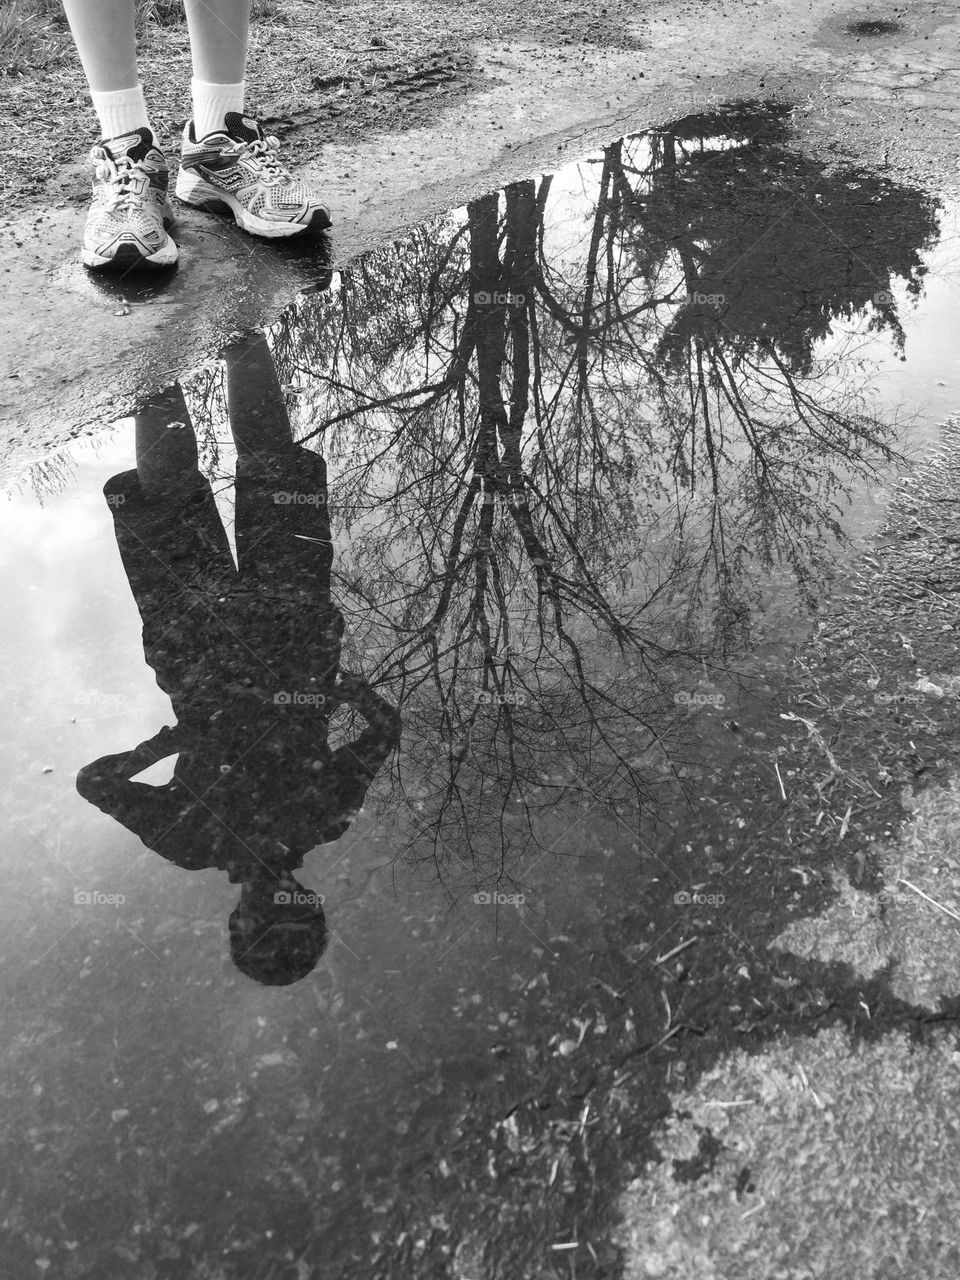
(844, 825)
(817, 737)
(780, 780)
(666, 1001)
(756, 1209)
(649, 1048)
(933, 901)
(676, 950)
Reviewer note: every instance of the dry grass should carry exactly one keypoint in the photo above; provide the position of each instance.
(31, 35)
(33, 32)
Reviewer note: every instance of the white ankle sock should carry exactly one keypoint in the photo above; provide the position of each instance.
(121, 111)
(211, 102)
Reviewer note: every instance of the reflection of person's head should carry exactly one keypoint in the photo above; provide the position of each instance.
(278, 931)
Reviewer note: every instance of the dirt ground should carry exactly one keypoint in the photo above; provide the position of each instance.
(394, 127)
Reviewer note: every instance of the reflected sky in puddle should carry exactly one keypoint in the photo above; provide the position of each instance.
(447, 612)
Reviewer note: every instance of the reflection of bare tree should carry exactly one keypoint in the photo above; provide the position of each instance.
(772, 251)
(568, 428)
(50, 476)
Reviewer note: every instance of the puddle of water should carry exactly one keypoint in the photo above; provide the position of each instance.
(426, 705)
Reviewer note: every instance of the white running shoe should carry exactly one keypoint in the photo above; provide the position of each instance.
(239, 168)
(126, 225)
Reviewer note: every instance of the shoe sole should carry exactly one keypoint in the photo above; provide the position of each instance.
(128, 256)
(193, 191)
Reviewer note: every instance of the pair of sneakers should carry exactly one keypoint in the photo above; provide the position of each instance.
(238, 168)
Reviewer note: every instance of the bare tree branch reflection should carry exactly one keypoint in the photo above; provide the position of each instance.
(569, 427)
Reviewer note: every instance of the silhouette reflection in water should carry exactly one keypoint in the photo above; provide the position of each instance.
(249, 656)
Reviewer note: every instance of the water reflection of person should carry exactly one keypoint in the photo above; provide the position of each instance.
(249, 656)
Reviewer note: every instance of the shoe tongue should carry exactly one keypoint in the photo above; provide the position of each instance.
(135, 144)
(241, 127)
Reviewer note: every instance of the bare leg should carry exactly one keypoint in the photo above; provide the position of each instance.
(218, 38)
(104, 33)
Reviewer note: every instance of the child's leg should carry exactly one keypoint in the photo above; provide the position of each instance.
(125, 226)
(104, 33)
(218, 45)
(217, 166)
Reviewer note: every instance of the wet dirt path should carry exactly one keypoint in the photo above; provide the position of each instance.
(77, 353)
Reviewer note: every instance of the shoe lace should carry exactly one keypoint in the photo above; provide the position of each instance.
(125, 178)
(264, 151)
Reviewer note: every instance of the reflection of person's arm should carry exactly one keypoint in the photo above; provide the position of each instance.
(106, 782)
(380, 736)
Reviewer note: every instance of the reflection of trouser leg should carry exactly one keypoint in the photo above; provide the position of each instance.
(178, 563)
(283, 528)
(166, 445)
(258, 415)
(284, 550)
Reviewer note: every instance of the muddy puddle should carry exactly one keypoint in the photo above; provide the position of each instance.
(398, 796)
